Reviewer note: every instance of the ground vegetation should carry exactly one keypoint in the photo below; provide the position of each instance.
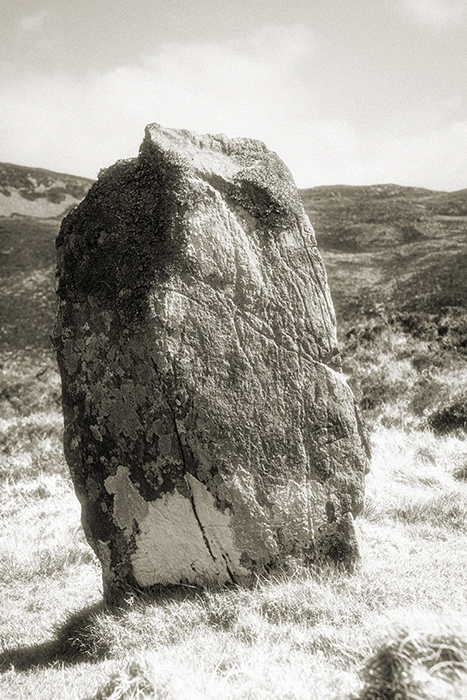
(394, 630)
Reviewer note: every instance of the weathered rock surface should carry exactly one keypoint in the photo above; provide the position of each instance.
(208, 430)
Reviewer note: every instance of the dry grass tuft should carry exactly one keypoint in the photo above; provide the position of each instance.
(134, 682)
(416, 664)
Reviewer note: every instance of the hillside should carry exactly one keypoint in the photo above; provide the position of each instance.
(38, 193)
(32, 203)
(390, 251)
(401, 248)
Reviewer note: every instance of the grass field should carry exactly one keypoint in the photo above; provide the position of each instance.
(395, 630)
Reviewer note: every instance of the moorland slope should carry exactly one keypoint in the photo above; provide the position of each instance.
(402, 248)
(32, 204)
(391, 251)
(37, 192)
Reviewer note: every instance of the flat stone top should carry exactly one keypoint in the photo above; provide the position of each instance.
(208, 151)
(233, 159)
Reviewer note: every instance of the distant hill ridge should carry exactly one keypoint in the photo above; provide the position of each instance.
(39, 193)
(387, 247)
(42, 193)
(371, 203)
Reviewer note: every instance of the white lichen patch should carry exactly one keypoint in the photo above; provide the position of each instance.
(217, 527)
(128, 504)
(179, 539)
(171, 547)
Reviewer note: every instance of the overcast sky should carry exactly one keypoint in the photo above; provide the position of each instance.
(346, 91)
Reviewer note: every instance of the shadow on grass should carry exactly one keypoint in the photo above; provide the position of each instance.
(79, 639)
(75, 641)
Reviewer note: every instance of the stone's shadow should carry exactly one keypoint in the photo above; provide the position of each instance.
(74, 642)
(77, 640)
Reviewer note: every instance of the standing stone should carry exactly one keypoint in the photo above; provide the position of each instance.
(208, 429)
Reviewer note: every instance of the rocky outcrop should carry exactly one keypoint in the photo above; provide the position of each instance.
(208, 429)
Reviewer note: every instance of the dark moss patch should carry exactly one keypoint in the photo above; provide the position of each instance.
(450, 418)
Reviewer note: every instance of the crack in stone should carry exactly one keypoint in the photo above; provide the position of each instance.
(228, 568)
(192, 498)
(206, 541)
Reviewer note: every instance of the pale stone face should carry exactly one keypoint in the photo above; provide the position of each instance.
(180, 538)
(209, 431)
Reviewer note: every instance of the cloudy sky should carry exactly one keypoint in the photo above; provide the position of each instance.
(346, 91)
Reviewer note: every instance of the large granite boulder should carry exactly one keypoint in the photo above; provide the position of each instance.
(208, 429)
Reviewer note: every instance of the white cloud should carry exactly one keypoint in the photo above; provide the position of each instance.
(245, 87)
(250, 87)
(332, 152)
(436, 13)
